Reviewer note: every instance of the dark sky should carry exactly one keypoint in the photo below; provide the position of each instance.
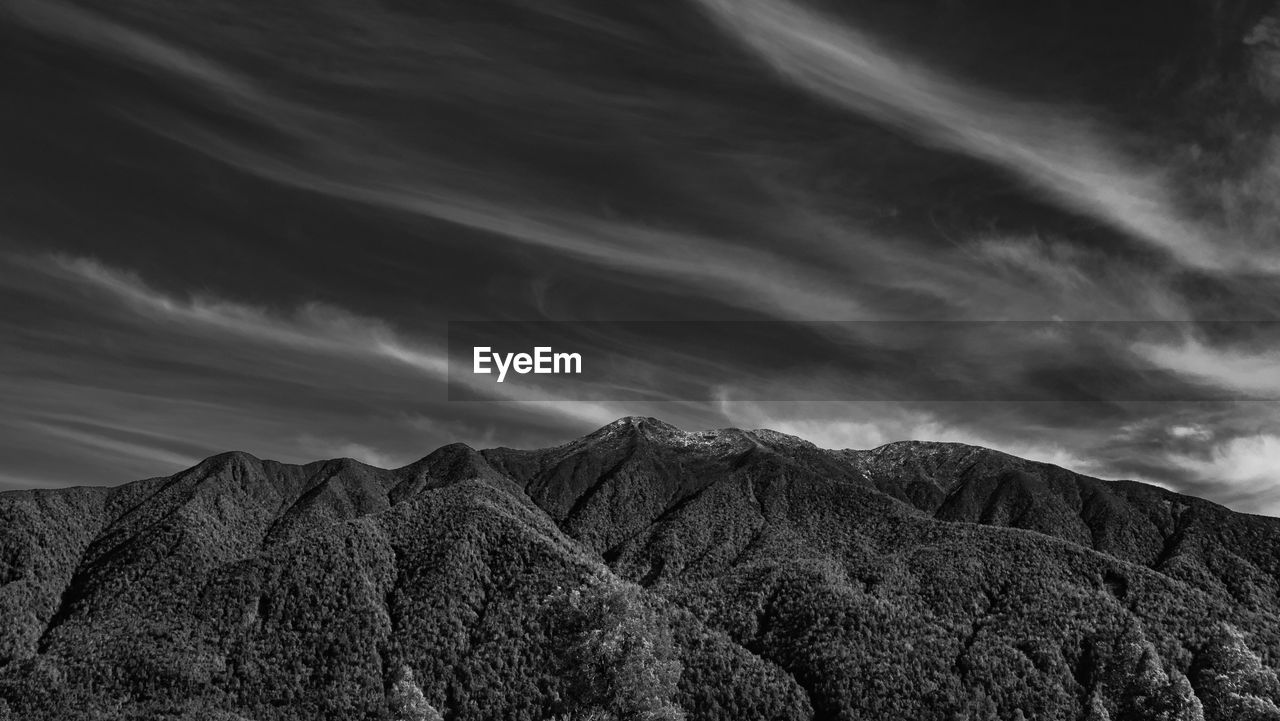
(234, 225)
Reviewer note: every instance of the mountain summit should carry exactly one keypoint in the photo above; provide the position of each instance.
(640, 571)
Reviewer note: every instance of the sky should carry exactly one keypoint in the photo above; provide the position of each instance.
(1048, 230)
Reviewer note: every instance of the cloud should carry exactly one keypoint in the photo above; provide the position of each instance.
(732, 272)
(335, 156)
(1193, 432)
(1245, 470)
(313, 327)
(1053, 277)
(113, 446)
(87, 27)
(1065, 155)
(1253, 374)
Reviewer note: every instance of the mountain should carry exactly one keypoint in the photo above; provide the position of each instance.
(638, 572)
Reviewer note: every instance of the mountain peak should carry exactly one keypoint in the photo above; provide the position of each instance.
(230, 460)
(722, 440)
(638, 424)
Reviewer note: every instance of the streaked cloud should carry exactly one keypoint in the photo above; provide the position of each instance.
(1193, 431)
(80, 25)
(1060, 151)
(1252, 373)
(313, 326)
(337, 160)
(1244, 470)
(114, 446)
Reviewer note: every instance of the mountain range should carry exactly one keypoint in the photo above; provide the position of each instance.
(639, 572)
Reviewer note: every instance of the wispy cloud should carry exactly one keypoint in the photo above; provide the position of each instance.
(1251, 373)
(1066, 155)
(113, 446)
(312, 327)
(85, 27)
(337, 158)
(1243, 471)
(734, 273)
(1192, 431)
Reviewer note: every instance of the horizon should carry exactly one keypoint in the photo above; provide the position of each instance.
(697, 431)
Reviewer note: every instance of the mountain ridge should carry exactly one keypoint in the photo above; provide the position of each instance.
(840, 580)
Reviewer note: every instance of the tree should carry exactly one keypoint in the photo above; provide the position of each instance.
(623, 663)
(407, 702)
(1154, 695)
(1233, 682)
(1096, 710)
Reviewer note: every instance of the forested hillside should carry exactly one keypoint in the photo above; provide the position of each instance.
(640, 572)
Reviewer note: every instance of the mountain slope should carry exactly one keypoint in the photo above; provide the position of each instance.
(777, 579)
